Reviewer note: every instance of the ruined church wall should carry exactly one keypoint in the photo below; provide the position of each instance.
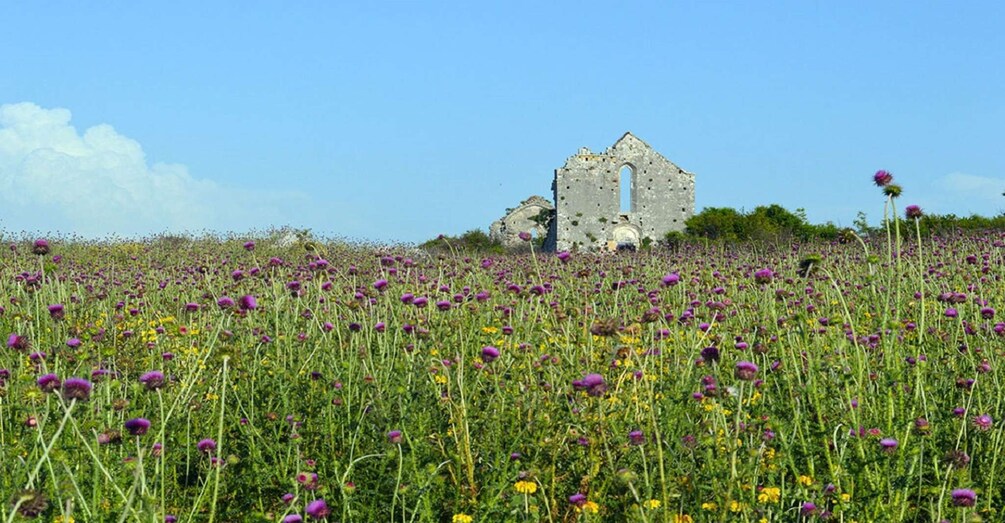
(588, 204)
(586, 201)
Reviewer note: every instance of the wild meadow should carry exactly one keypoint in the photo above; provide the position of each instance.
(238, 380)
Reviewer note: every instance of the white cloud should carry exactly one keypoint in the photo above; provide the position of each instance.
(965, 194)
(53, 178)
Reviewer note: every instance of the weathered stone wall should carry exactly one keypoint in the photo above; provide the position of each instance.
(524, 218)
(588, 204)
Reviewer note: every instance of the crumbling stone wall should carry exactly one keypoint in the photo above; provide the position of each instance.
(588, 197)
(531, 216)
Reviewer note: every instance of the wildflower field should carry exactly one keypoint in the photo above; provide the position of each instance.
(229, 380)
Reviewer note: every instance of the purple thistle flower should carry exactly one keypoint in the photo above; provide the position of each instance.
(420, 302)
(983, 422)
(710, 354)
(317, 509)
(57, 311)
(380, 285)
(77, 389)
(138, 426)
(882, 178)
(808, 508)
(564, 256)
(191, 307)
(206, 446)
(249, 246)
(964, 497)
(746, 371)
(913, 212)
(578, 499)
(671, 279)
(394, 437)
(293, 518)
(40, 247)
(593, 384)
(18, 342)
(73, 343)
(247, 303)
(49, 382)
(764, 276)
(636, 437)
(951, 313)
(225, 302)
(524, 235)
(888, 445)
(489, 354)
(153, 379)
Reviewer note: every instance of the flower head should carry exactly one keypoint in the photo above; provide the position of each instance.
(636, 437)
(30, 503)
(40, 247)
(57, 311)
(913, 212)
(394, 436)
(525, 487)
(18, 342)
(489, 354)
(964, 497)
(893, 190)
(247, 303)
(524, 235)
(153, 379)
(983, 422)
(746, 370)
(49, 382)
(138, 426)
(77, 389)
(318, 509)
(888, 445)
(593, 384)
(882, 178)
(764, 276)
(206, 446)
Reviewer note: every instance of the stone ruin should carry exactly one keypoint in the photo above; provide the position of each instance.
(622, 198)
(531, 216)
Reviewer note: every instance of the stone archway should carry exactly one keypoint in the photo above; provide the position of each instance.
(624, 235)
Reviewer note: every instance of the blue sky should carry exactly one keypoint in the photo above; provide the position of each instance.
(403, 120)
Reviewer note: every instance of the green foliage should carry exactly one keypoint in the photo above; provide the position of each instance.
(764, 223)
(473, 241)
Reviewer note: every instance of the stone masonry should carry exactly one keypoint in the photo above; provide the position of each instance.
(532, 216)
(589, 213)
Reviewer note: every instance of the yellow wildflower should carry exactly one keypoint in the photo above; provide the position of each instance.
(653, 504)
(591, 507)
(440, 379)
(804, 480)
(462, 518)
(845, 497)
(769, 495)
(490, 330)
(682, 518)
(526, 487)
(736, 506)
(709, 505)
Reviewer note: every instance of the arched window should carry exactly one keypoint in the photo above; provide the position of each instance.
(625, 185)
